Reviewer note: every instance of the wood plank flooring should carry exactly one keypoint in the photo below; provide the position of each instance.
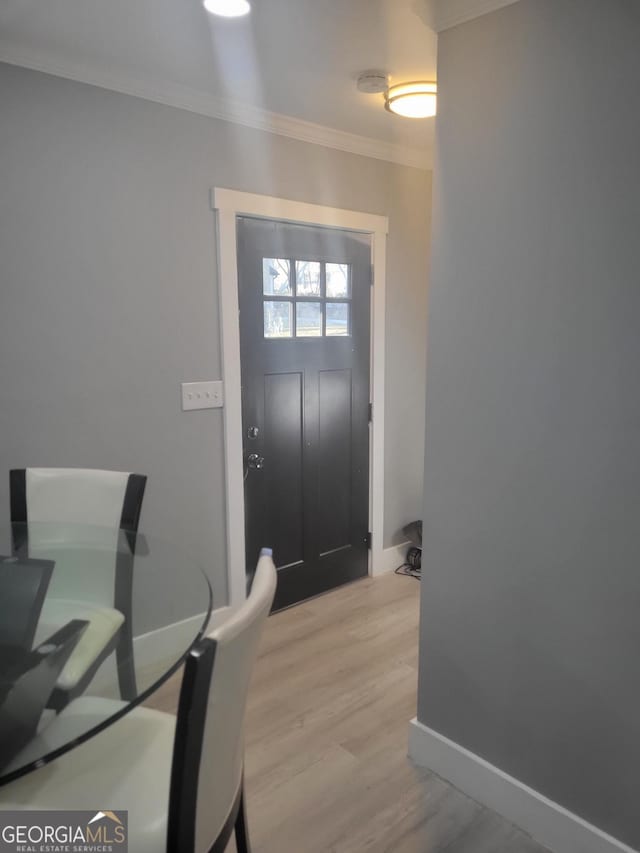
(326, 737)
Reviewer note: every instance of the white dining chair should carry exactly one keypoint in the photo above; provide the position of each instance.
(43, 501)
(180, 778)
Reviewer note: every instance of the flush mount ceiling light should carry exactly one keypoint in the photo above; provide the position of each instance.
(227, 8)
(412, 100)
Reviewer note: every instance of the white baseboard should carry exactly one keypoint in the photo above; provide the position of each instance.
(547, 822)
(156, 646)
(390, 558)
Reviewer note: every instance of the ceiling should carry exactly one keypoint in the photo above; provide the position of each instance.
(293, 58)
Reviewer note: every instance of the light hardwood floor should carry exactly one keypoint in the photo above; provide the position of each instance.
(326, 737)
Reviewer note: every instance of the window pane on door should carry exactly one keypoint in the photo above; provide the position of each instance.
(307, 278)
(277, 319)
(338, 280)
(308, 319)
(338, 318)
(276, 277)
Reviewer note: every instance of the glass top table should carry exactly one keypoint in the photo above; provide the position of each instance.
(87, 611)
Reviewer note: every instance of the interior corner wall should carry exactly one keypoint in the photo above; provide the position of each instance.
(406, 337)
(109, 299)
(531, 587)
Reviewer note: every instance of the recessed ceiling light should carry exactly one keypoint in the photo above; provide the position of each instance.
(227, 8)
(412, 100)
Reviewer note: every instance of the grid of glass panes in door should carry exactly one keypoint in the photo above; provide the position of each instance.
(306, 299)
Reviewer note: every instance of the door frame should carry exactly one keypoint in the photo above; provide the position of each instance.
(228, 205)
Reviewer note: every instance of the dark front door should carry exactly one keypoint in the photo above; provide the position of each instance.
(304, 337)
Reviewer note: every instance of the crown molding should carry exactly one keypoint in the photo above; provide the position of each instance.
(445, 14)
(212, 106)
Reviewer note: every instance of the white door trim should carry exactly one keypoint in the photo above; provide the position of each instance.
(228, 205)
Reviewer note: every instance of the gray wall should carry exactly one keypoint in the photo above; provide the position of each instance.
(531, 593)
(108, 293)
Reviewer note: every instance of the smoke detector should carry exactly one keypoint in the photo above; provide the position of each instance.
(373, 82)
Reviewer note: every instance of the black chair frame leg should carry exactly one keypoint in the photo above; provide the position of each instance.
(242, 828)
(236, 822)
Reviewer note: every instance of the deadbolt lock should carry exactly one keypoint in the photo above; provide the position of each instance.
(254, 460)
(253, 432)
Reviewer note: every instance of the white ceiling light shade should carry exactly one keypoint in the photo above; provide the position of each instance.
(412, 100)
(228, 8)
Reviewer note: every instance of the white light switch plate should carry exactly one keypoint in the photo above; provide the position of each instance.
(202, 395)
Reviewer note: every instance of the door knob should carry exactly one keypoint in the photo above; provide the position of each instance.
(254, 460)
